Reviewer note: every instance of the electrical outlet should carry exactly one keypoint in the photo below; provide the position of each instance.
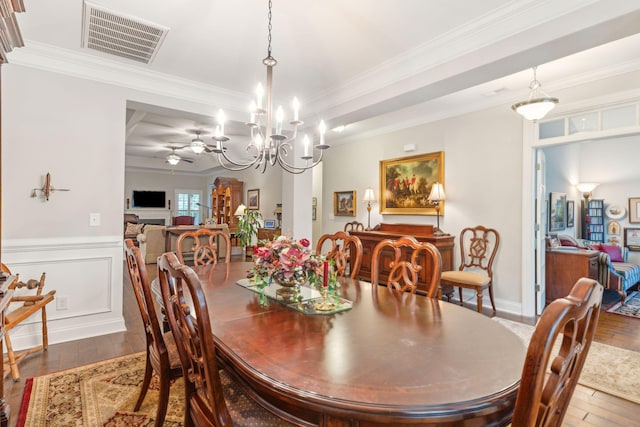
(94, 219)
(62, 303)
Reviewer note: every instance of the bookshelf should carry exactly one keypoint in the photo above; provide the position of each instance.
(593, 220)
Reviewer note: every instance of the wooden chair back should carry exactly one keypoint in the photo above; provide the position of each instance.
(346, 252)
(353, 226)
(478, 247)
(159, 356)
(182, 220)
(546, 389)
(408, 256)
(28, 305)
(203, 244)
(181, 293)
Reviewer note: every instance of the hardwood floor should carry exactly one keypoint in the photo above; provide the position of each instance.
(588, 407)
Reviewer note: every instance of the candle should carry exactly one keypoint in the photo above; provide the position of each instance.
(296, 108)
(322, 128)
(326, 274)
(221, 119)
(279, 118)
(306, 145)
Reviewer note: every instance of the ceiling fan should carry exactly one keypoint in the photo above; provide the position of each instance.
(173, 158)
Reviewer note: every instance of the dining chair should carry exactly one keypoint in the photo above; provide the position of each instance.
(162, 356)
(346, 252)
(203, 245)
(182, 220)
(407, 259)
(27, 305)
(212, 398)
(353, 226)
(478, 247)
(550, 374)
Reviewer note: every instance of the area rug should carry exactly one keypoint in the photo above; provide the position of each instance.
(609, 369)
(631, 308)
(104, 393)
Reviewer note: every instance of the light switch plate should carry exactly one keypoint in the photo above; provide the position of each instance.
(94, 219)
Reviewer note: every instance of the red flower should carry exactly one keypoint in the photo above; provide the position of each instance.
(255, 250)
(305, 242)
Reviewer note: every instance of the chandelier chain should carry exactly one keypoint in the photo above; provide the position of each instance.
(269, 37)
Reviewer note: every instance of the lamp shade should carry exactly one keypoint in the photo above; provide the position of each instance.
(437, 193)
(369, 195)
(173, 159)
(586, 187)
(240, 210)
(535, 109)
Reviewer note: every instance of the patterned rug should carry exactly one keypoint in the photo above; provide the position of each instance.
(631, 308)
(609, 369)
(104, 393)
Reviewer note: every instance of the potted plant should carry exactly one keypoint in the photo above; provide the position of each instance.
(248, 225)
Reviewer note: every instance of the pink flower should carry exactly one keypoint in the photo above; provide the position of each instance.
(304, 242)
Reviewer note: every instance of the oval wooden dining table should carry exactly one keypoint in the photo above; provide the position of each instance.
(393, 359)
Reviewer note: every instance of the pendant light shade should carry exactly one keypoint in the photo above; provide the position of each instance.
(538, 104)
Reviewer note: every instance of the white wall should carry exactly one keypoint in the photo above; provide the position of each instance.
(482, 153)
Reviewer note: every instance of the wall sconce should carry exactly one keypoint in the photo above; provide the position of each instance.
(436, 196)
(369, 197)
(47, 189)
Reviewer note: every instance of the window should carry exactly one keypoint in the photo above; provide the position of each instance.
(188, 203)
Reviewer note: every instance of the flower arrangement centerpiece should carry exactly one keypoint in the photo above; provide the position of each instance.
(291, 263)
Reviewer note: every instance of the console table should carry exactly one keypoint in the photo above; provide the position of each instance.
(422, 233)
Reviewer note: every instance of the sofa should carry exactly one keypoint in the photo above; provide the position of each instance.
(614, 272)
(152, 240)
(132, 226)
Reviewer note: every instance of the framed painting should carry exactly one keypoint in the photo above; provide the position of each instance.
(344, 203)
(571, 210)
(634, 210)
(253, 199)
(557, 211)
(405, 184)
(632, 238)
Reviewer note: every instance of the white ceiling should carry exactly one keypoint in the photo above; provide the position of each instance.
(373, 65)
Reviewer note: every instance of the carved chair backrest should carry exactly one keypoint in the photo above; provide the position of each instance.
(353, 226)
(144, 296)
(346, 252)
(182, 220)
(203, 243)
(182, 294)
(478, 247)
(546, 389)
(408, 256)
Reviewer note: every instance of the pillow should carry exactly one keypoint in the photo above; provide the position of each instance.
(566, 240)
(133, 228)
(614, 252)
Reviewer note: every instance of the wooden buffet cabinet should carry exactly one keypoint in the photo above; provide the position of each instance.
(564, 268)
(422, 233)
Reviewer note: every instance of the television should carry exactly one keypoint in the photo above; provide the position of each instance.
(148, 199)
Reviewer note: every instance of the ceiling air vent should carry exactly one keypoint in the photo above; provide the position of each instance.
(117, 34)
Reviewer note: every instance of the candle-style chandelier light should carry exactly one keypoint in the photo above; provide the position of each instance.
(269, 146)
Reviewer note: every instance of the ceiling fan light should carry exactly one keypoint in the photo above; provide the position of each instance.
(173, 159)
(535, 109)
(197, 146)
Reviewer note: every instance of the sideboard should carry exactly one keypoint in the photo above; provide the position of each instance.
(564, 268)
(422, 233)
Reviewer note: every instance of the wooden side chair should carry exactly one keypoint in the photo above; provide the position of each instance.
(478, 247)
(353, 226)
(545, 390)
(407, 259)
(30, 305)
(203, 244)
(346, 251)
(182, 220)
(162, 356)
(205, 391)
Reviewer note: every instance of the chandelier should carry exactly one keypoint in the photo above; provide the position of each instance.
(538, 104)
(269, 146)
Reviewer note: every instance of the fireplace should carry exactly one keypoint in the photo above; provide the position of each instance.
(154, 221)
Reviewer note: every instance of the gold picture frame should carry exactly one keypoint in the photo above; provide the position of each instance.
(405, 184)
(344, 203)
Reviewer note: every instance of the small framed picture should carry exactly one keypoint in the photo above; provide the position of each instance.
(634, 210)
(557, 211)
(552, 241)
(269, 223)
(344, 203)
(253, 199)
(632, 238)
(571, 209)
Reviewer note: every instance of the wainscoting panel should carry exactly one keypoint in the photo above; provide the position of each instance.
(86, 274)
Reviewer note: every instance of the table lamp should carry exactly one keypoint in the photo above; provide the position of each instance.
(240, 211)
(436, 196)
(369, 197)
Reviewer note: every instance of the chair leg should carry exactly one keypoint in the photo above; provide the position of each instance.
(148, 371)
(13, 365)
(460, 294)
(479, 298)
(45, 331)
(163, 399)
(493, 304)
